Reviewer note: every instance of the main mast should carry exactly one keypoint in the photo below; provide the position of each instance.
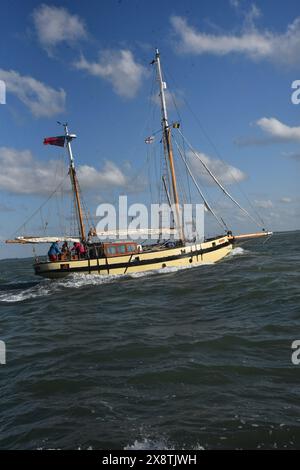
(75, 185)
(168, 144)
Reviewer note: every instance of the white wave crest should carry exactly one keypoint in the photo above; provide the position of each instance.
(237, 251)
(48, 287)
(159, 444)
(37, 291)
(167, 270)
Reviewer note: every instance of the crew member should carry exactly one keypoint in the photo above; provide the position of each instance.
(54, 251)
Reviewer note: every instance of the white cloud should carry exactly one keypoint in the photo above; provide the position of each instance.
(279, 131)
(21, 173)
(286, 200)
(174, 99)
(54, 25)
(117, 67)
(109, 176)
(263, 203)
(235, 3)
(41, 99)
(276, 47)
(225, 173)
(251, 15)
(276, 132)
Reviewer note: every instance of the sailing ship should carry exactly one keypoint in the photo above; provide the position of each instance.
(127, 256)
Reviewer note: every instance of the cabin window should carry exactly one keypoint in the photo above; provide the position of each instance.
(121, 249)
(131, 248)
(111, 250)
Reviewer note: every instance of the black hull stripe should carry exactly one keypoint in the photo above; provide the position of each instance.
(108, 267)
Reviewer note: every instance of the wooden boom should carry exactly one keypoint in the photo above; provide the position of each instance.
(247, 236)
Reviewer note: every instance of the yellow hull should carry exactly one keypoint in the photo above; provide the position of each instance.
(208, 252)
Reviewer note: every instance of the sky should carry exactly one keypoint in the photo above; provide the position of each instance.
(229, 65)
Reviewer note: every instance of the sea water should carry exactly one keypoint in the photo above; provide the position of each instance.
(196, 358)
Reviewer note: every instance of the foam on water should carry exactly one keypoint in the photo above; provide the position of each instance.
(77, 280)
(48, 287)
(168, 270)
(238, 251)
(37, 291)
(158, 444)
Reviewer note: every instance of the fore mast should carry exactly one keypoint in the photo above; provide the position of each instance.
(75, 185)
(167, 141)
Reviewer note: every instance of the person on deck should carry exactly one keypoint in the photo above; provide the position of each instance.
(65, 249)
(54, 251)
(79, 249)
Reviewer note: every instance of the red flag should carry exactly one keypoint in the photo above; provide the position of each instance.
(59, 141)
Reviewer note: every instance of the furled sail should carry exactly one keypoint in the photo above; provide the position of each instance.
(140, 231)
(24, 240)
(105, 233)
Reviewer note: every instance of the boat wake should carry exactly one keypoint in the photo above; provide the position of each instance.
(167, 270)
(48, 287)
(39, 290)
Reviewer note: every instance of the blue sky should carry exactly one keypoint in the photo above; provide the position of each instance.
(232, 62)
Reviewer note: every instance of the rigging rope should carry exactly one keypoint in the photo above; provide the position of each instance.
(39, 208)
(219, 156)
(205, 133)
(218, 182)
(207, 205)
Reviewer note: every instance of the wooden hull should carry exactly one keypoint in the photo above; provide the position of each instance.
(208, 252)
